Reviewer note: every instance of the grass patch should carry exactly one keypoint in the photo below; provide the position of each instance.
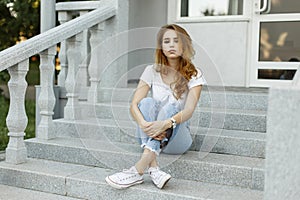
(30, 129)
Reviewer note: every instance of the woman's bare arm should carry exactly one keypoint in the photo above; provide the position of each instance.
(140, 93)
(190, 105)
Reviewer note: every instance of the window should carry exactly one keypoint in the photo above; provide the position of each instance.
(202, 8)
(279, 41)
(283, 6)
(276, 74)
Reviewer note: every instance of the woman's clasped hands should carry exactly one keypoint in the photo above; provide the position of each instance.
(155, 129)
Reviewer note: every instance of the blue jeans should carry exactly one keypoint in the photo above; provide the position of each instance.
(181, 139)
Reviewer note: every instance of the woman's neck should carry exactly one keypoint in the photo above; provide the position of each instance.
(173, 63)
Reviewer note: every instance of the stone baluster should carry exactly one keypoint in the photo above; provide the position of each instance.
(97, 35)
(63, 17)
(74, 56)
(46, 100)
(83, 76)
(16, 120)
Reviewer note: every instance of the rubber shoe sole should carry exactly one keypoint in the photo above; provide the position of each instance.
(165, 180)
(118, 186)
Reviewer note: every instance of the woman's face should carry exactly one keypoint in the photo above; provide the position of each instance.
(171, 45)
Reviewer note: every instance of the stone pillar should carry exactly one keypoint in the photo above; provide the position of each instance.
(73, 54)
(16, 120)
(83, 76)
(63, 17)
(97, 36)
(46, 99)
(48, 18)
(282, 172)
(114, 72)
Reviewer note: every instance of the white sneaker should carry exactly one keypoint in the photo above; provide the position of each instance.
(159, 178)
(125, 179)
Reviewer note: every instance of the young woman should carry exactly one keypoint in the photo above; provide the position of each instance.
(162, 120)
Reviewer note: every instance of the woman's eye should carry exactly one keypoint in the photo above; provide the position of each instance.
(166, 41)
(176, 40)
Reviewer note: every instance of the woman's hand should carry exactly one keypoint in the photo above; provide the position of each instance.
(161, 136)
(155, 128)
(144, 125)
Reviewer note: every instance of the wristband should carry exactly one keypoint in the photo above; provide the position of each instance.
(173, 123)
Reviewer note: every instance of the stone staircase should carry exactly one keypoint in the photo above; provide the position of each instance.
(226, 160)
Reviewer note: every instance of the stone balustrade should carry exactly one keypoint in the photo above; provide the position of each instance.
(16, 60)
(66, 12)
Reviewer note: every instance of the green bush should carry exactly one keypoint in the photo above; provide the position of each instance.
(4, 103)
(30, 111)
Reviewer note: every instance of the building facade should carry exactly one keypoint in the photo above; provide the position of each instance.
(243, 43)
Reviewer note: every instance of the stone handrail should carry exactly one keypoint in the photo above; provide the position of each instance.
(16, 60)
(39, 43)
(76, 6)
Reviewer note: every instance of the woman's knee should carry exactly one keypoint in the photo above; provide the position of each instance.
(167, 111)
(148, 108)
(147, 101)
(146, 104)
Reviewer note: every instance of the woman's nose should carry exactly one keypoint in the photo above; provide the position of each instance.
(171, 43)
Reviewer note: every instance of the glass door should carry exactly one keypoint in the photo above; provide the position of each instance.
(275, 50)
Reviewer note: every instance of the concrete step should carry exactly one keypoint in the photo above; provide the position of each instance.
(234, 142)
(15, 193)
(233, 119)
(88, 183)
(196, 166)
(232, 98)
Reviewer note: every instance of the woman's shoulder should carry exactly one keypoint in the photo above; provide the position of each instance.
(197, 79)
(149, 73)
(151, 69)
(199, 73)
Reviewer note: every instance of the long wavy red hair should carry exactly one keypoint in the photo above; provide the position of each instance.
(185, 68)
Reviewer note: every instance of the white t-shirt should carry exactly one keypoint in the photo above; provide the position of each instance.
(162, 92)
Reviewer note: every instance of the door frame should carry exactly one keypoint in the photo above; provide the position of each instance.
(255, 64)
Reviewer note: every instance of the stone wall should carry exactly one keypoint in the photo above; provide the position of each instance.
(282, 180)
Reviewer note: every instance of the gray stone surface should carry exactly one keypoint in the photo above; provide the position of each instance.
(14, 193)
(231, 98)
(244, 143)
(37, 174)
(283, 150)
(207, 167)
(176, 189)
(248, 120)
(258, 178)
(245, 120)
(88, 183)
